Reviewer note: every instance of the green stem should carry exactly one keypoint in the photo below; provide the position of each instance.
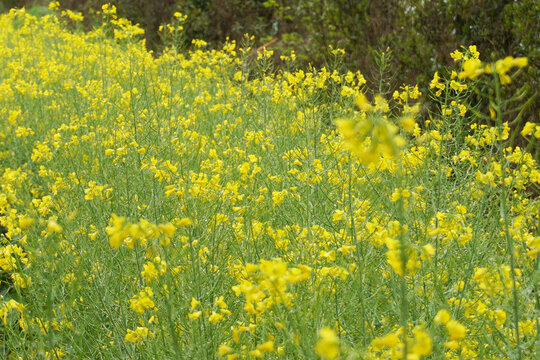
(359, 252)
(504, 212)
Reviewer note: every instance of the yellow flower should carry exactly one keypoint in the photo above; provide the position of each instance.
(149, 272)
(455, 329)
(214, 318)
(9, 305)
(54, 5)
(25, 222)
(407, 123)
(327, 346)
(394, 259)
(457, 86)
(194, 315)
(383, 342)
(338, 215)
(428, 250)
(139, 303)
(266, 347)
(224, 349)
(256, 354)
(421, 345)
(528, 129)
(278, 197)
(183, 222)
(108, 9)
(362, 102)
(442, 317)
(456, 55)
(168, 229)
(452, 345)
(194, 303)
(474, 53)
(52, 226)
(369, 138)
(381, 103)
(472, 68)
(115, 230)
(138, 335)
(502, 66)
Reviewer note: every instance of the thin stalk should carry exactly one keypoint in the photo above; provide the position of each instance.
(504, 212)
(359, 252)
(404, 305)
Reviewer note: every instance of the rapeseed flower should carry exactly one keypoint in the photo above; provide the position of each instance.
(240, 218)
(327, 345)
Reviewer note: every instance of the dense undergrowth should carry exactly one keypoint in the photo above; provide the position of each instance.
(192, 206)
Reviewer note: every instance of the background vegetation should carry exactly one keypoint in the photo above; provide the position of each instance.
(421, 34)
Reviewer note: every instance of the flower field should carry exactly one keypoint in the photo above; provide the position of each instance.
(198, 205)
